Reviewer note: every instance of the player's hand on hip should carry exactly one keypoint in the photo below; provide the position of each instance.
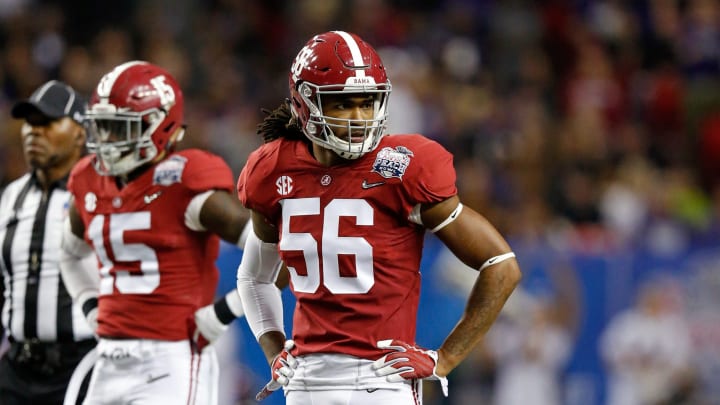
(92, 321)
(407, 362)
(282, 369)
(208, 327)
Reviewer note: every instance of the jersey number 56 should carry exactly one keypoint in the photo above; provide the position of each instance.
(332, 245)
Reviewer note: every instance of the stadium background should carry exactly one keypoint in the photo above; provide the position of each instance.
(587, 131)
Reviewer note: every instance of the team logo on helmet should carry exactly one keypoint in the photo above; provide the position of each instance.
(392, 162)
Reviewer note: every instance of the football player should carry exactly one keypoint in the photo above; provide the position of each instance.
(153, 217)
(346, 208)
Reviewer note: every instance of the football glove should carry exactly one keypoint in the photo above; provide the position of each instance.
(282, 369)
(92, 321)
(90, 310)
(211, 321)
(209, 327)
(408, 362)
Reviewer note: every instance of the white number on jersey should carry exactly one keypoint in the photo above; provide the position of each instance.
(332, 246)
(126, 283)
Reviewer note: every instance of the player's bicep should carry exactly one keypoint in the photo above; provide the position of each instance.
(222, 214)
(470, 236)
(76, 224)
(264, 230)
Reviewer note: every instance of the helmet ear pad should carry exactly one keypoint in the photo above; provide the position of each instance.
(338, 62)
(296, 104)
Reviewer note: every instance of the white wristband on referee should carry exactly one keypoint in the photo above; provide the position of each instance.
(497, 259)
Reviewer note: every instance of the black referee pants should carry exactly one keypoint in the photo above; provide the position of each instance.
(38, 374)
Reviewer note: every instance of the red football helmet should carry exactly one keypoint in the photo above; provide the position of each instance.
(338, 62)
(135, 115)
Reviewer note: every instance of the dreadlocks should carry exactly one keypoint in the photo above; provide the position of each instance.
(279, 123)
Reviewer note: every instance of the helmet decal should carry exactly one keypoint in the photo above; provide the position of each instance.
(301, 61)
(108, 81)
(355, 52)
(164, 91)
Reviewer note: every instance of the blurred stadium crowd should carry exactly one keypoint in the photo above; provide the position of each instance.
(588, 127)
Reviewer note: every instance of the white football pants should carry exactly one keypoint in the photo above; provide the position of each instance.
(337, 379)
(152, 372)
(405, 395)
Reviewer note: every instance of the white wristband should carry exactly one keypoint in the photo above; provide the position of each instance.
(453, 216)
(234, 303)
(192, 212)
(496, 259)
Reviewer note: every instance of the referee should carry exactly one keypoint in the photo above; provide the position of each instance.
(47, 335)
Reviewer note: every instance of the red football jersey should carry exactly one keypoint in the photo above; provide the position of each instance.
(353, 254)
(154, 271)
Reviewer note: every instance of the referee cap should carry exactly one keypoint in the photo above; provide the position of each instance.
(53, 99)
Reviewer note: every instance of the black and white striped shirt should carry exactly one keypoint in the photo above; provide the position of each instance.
(35, 303)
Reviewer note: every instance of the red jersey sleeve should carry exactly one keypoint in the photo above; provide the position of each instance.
(430, 178)
(81, 166)
(206, 171)
(255, 186)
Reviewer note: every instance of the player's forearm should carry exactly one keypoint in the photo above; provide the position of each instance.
(228, 307)
(271, 343)
(256, 278)
(78, 267)
(492, 288)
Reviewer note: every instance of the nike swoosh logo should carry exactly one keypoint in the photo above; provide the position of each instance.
(492, 261)
(367, 185)
(151, 197)
(152, 379)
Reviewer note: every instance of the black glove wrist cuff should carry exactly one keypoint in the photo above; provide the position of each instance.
(89, 305)
(223, 312)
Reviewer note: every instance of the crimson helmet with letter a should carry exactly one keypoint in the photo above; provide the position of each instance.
(134, 116)
(338, 62)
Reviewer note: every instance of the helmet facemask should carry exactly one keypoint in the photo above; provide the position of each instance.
(121, 140)
(365, 133)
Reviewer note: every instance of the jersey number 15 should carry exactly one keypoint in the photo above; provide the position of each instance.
(144, 282)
